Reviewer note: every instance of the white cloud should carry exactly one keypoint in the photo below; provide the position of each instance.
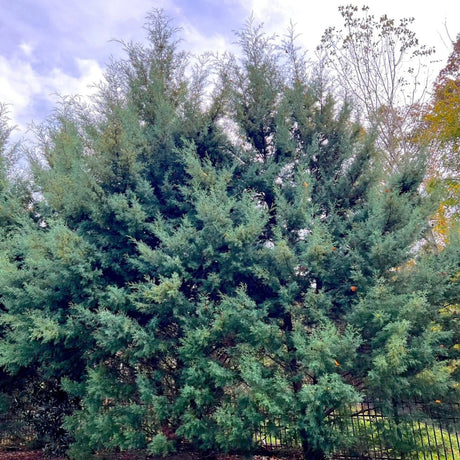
(197, 42)
(21, 86)
(18, 84)
(84, 29)
(63, 84)
(27, 48)
(95, 22)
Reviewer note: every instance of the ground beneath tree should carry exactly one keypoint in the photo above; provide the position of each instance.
(38, 455)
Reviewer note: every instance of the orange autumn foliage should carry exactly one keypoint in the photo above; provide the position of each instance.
(440, 133)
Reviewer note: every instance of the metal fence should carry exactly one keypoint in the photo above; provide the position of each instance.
(372, 431)
(16, 433)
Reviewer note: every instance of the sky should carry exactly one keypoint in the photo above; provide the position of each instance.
(53, 48)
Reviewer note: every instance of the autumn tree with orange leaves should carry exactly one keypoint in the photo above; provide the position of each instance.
(440, 133)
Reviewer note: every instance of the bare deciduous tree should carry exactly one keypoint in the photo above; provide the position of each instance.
(380, 66)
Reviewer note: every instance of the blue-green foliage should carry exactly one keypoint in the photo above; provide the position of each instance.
(197, 263)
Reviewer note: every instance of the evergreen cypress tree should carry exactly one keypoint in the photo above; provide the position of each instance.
(187, 283)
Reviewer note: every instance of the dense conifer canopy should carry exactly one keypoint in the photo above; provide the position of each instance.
(214, 244)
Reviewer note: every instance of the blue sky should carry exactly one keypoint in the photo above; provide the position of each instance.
(50, 47)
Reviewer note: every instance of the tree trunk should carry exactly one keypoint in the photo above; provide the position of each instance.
(310, 452)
